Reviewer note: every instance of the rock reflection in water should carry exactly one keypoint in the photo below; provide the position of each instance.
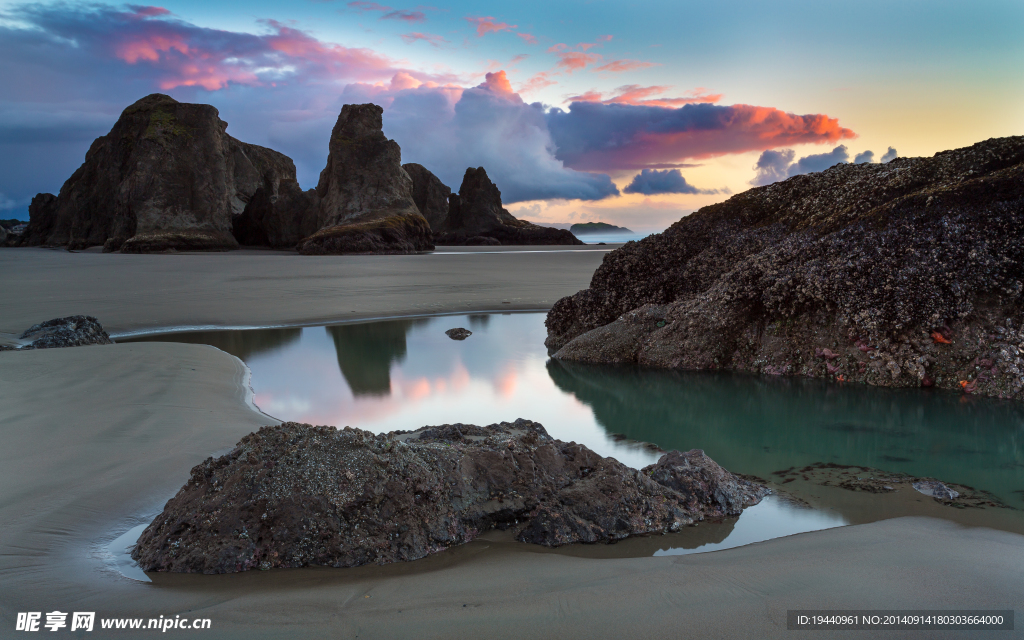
(756, 424)
(367, 351)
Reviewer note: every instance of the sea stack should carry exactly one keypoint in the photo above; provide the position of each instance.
(365, 197)
(904, 274)
(476, 216)
(167, 176)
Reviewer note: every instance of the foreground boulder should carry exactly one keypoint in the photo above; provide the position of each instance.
(295, 495)
(167, 176)
(908, 273)
(73, 331)
(476, 217)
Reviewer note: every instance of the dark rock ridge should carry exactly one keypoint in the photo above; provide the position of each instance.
(430, 194)
(475, 216)
(900, 274)
(458, 333)
(73, 331)
(295, 495)
(167, 176)
(584, 228)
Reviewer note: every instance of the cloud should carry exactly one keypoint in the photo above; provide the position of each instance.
(448, 129)
(637, 95)
(819, 161)
(888, 155)
(772, 166)
(571, 61)
(864, 157)
(429, 38)
(527, 38)
(390, 13)
(619, 66)
(488, 24)
(537, 81)
(651, 181)
(775, 165)
(593, 136)
(180, 54)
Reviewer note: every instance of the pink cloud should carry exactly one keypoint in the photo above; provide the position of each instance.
(536, 82)
(360, 5)
(429, 38)
(618, 66)
(179, 54)
(527, 38)
(488, 24)
(575, 60)
(637, 95)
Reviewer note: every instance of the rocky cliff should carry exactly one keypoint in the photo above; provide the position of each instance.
(167, 176)
(295, 495)
(908, 273)
(475, 216)
(430, 194)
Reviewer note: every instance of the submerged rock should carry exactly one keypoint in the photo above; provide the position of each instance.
(295, 495)
(475, 215)
(72, 331)
(935, 489)
(458, 333)
(908, 273)
(167, 176)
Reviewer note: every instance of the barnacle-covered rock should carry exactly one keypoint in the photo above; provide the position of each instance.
(908, 273)
(295, 495)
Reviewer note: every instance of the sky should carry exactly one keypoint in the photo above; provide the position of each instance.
(634, 114)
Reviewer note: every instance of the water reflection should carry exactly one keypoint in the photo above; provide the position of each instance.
(404, 374)
(366, 353)
(757, 425)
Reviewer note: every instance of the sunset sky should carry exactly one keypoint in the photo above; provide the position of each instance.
(633, 114)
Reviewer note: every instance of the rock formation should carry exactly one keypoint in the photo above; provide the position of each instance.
(167, 176)
(295, 495)
(458, 333)
(365, 197)
(908, 273)
(475, 216)
(73, 331)
(279, 220)
(430, 194)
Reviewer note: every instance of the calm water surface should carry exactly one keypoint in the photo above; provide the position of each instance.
(403, 374)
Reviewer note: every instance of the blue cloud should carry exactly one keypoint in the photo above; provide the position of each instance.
(888, 155)
(651, 181)
(864, 157)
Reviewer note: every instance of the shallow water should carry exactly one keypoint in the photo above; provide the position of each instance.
(403, 374)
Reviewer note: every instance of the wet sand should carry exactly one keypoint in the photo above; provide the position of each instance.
(133, 293)
(97, 438)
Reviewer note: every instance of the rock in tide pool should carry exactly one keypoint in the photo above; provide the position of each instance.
(73, 331)
(296, 495)
(904, 274)
(458, 333)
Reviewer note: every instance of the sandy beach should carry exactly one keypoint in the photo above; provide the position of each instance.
(98, 438)
(139, 293)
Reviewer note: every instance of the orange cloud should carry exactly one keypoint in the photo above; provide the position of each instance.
(488, 24)
(528, 38)
(498, 83)
(536, 82)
